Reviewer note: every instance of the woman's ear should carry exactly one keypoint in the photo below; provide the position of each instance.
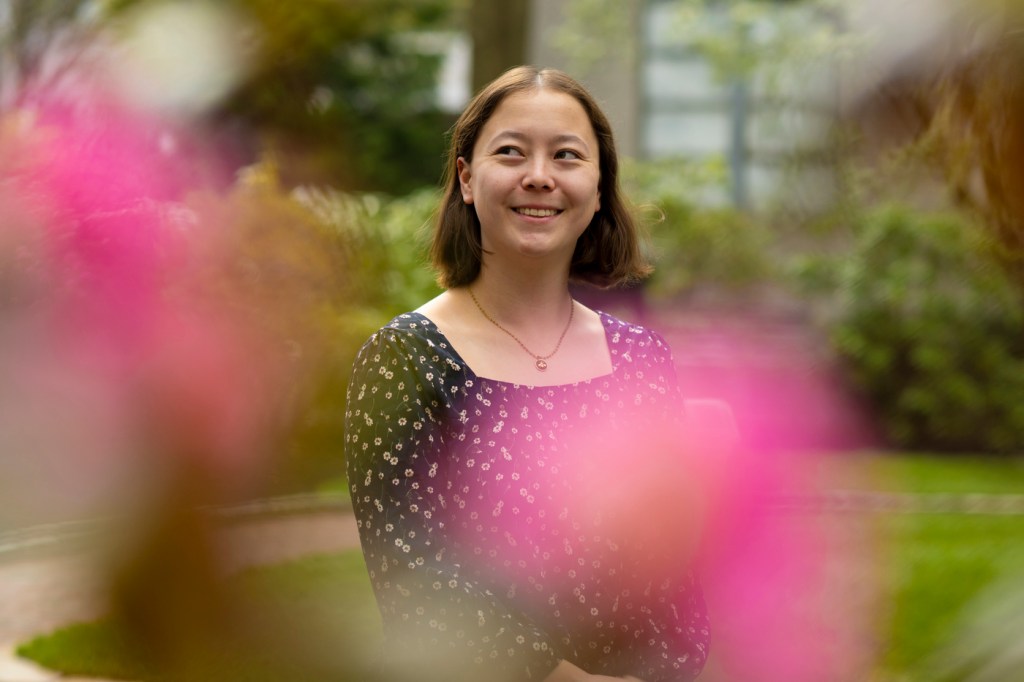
(462, 166)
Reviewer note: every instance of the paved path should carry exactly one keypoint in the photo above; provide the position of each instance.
(41, 591)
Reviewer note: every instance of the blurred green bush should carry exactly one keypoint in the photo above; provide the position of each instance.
(378, 244)
(313, 272)
(720, 249)
(697, 248)
(343, 93)
(928, 326)
(930, 330)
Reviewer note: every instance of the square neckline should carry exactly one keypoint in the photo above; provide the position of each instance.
(606, 322)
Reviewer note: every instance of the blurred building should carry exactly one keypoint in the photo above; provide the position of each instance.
(665, 100)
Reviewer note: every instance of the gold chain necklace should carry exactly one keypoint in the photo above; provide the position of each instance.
(540, 361)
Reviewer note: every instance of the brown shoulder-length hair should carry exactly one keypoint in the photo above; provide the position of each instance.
(607, 254)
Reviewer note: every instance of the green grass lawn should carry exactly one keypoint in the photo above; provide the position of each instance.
(932, 569)
(925, 473)
(312, 619)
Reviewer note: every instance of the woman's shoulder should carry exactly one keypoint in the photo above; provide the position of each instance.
(643, 360)
(632, 338)
(417, 325)
(409, 337)
(410, 327)
(412, 322)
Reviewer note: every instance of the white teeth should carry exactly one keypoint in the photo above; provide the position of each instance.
(537, 212)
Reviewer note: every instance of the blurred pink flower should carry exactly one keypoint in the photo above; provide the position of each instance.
(766, 412)
(112, 339)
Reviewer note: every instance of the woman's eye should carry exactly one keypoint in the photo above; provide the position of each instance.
(567, 154)
(508, 151)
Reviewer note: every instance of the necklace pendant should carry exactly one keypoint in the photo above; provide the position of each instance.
(542, 366)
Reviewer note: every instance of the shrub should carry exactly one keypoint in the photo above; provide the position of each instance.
(321, 270)
(379, 242)
(721, 249)
(697, 247)
(929, 329)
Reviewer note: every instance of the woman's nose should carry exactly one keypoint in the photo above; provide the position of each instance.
(538, 175)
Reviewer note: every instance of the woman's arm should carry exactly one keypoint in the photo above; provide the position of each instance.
(567, 672)
(396, 456)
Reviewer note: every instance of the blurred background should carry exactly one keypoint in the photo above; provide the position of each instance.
(206, 208)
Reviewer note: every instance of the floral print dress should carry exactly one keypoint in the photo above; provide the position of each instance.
(474, 499)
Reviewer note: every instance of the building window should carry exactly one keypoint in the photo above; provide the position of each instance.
(773, 135)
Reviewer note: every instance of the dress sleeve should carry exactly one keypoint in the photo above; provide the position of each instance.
(664, 360)
(395, 446)
(674, 643)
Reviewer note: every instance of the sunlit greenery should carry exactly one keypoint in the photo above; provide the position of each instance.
(930, 328)
(313, 619)
(935, 566)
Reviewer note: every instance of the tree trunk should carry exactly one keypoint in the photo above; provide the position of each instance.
(499, 33)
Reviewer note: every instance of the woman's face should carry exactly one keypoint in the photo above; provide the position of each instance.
(533, 180)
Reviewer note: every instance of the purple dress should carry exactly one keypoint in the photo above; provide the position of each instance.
(470, 499)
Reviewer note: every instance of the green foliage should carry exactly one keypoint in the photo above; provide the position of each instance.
(696, 247)
(314, 272)
(384, 242)
(342, 92)
(346, 89)
(720, 249)
(380, 245)
(930, 329)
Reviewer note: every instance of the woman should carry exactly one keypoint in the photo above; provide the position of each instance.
(483, 427)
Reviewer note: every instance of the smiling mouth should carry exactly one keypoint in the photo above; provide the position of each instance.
(537, 212)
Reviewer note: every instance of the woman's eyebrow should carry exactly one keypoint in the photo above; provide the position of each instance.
(514, 134)
(564, 138)
(568, 138)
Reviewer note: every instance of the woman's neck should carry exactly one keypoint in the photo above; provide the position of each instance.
(534, 299)
(528, 309)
